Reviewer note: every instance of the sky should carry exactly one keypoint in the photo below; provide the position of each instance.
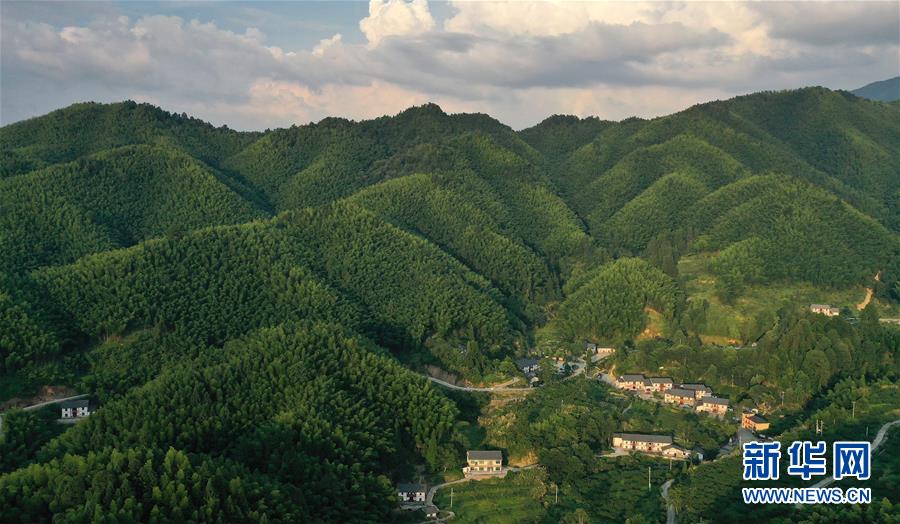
(258, 65)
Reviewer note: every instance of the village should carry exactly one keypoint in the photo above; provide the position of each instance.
(699, 398)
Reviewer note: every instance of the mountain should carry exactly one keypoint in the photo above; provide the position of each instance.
(253, 310)
(883, 90)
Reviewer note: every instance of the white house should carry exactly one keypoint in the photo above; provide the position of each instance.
(410, 493)
(825, 309)
(75, 409)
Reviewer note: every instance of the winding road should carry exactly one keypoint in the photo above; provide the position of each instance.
(879, 439)
(670, 509)
(579, 369)
(42, 404)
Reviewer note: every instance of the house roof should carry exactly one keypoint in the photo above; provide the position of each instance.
(526, 362)
(675, 446)
(429, 510)
(410, 487)
(696, 387)
(756, 419)
(660, 380)
(73, 404)
(590, 345)
(631, 378)
(676, 392)
(714, 400)
(484, 455)
(640, 437)
(820, 306)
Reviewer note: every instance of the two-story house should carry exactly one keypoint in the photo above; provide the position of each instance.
(483, 463)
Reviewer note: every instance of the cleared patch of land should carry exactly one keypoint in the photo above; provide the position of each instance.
(518, 498)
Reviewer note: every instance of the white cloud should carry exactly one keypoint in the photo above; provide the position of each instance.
(326, 43)
(517, 61)
(396, 18)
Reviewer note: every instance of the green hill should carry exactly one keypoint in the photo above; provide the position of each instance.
(252, 310)
(114, 198)
(884, 90)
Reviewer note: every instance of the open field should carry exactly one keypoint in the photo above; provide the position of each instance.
(726, 323)
(518, 498)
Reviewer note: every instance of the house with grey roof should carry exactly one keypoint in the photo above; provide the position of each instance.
(640, 442)
(411, 493)
(681, 397)
(528, 366)
(713, 405)
(630, 382)
(75, 409)
(483, 463)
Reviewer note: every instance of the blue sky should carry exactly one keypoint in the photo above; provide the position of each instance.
(255, 65)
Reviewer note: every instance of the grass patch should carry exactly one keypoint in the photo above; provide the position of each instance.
(727, 323)
(518, 498)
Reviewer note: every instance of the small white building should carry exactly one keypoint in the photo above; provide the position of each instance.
(411, 492)
(75, 409)
(825, 309)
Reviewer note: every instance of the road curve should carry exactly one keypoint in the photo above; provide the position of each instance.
(670, 509)
(42, 404)
(466, 388)
(429, 498)
(879, 439)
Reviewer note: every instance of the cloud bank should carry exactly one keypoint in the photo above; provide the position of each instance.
(517, 61)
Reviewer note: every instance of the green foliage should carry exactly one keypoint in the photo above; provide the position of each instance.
(23, 433)
(559, 135)
(446, 209)
(309, 405)
(802, 234)
(610, 305)
(112, 199)
(799, 354)
(210, 286)
(84, 129)
(515, 499)
(145, 486)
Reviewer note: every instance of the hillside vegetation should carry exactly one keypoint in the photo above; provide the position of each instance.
(251, 309)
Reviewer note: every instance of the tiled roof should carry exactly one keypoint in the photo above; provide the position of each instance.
(484, 455)
(640, 437)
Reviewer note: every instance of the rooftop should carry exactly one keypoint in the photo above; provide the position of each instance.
(714, 400)
(631, 378)
(484, 455)
(410, 487)
(756, 419)
(73, 404)
(660, 380)
(696, 387)
(676, 392)
(640, 437)
(526, 362)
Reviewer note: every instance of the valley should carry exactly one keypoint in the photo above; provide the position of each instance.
(282, 326)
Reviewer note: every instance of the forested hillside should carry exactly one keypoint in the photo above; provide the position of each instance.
(251, 310)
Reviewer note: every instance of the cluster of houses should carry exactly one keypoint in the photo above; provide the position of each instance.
(698, 396)
(653, 444)
(479, 464)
